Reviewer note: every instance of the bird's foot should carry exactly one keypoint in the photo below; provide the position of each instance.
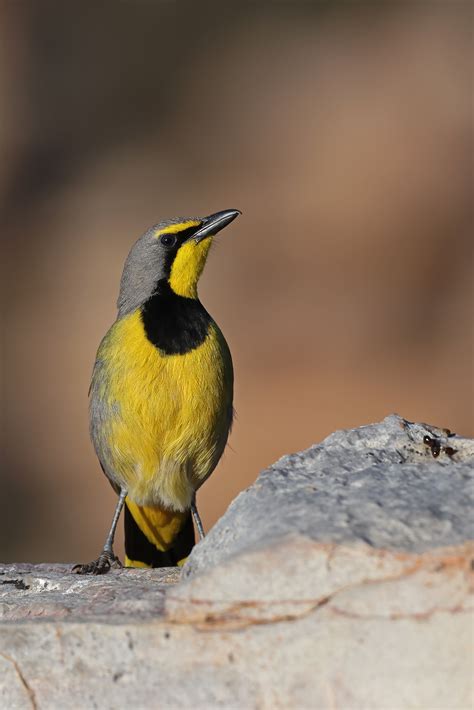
(106, 560)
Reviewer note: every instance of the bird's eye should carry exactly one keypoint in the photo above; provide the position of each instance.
(169, 240)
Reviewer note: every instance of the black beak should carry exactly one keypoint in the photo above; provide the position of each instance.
(214, 223)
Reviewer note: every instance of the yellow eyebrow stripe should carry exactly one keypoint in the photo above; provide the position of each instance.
(176, 228)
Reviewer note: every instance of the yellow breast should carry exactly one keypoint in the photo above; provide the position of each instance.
(160, 422)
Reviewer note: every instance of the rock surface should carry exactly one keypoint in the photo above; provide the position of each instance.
(378, 484)
(341, 578)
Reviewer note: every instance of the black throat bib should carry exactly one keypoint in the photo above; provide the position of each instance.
(174, 324)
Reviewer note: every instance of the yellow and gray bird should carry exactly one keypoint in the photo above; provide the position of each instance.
(161, 394)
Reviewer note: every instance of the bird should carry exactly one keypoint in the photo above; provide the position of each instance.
(161, 395)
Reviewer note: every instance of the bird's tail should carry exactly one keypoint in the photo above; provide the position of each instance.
(156, 537)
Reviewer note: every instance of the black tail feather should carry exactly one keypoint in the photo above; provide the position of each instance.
(139, 549)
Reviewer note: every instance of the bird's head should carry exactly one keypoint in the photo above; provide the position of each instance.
(170, 254)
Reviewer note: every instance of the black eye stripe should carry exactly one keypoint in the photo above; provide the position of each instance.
(170, 252)
(183, 235)
(186, 233)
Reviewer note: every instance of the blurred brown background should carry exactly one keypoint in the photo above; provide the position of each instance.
(343, 133)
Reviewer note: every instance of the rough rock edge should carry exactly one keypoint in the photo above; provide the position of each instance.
(380, 456)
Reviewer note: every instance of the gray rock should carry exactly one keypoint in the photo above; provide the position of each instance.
(342, 578)
(378, 484)
(51, 591)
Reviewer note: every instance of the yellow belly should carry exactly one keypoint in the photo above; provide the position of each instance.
(160, 422)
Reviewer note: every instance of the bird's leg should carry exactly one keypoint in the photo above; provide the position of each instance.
(107, 557)
(197, 518)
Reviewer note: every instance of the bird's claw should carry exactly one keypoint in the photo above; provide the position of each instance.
(101, 565)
